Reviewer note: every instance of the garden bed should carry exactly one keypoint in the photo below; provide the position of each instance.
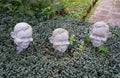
(48, 8)
(76, 8)
(41, 61)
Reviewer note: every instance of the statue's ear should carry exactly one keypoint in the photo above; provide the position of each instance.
(51, 39)
(12, 34)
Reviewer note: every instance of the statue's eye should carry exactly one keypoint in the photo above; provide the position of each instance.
(101, 36)
(18, 40)
(24, 38)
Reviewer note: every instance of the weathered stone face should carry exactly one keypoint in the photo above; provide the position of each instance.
(99, 33)
(59, 39)
(22, 36)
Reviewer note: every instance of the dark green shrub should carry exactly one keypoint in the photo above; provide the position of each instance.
(41, 61)
(29, 7)
(46, 8)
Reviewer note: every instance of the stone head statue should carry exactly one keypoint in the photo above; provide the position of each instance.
(99, 33)
(22, 36)
(59, 39)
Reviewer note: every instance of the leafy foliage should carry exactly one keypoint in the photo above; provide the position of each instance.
(87, 36)
(29, 7)
(102, 49)
(76, 8)
(81, 46)
(41, 61)
(72, 39)
(46, 8)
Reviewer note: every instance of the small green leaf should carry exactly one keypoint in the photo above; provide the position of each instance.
(87, 37)
(72, 39)
(7, 5)
(102, 49)
(21, 8)
(81, 46)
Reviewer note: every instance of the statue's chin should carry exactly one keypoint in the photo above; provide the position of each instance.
(61, 48)
(97, 44)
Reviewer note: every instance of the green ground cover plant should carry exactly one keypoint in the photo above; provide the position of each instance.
(41, 61)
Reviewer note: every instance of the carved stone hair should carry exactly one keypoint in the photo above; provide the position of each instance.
(21, 27)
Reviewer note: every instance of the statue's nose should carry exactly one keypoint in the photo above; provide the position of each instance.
(27, 40)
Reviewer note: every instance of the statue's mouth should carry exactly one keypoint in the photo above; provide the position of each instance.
(97, 43)
(24, 45)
